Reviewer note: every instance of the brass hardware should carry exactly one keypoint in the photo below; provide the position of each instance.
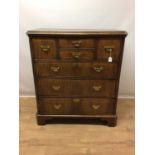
(76, 100)
(98, 69)
(76, 43)
(109, 48)
(45, 48)
(95, 106)
(57, 106)
(76, 55)
(97, 88)
(55, 68)
(56, 88)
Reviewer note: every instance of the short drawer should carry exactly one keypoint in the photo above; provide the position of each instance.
(43, 48)
(96, 106)
(76, 69)
(68, 88)
(76, 43)
(74, 54)
(109, 47)
(55, 106)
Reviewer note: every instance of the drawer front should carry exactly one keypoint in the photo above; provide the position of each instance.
(76, 43)
(109, 47)
(82, 106)
(76, 69)
(43, 48)
(96, 106)
(52, 106)
(73, 54)
(68, 88)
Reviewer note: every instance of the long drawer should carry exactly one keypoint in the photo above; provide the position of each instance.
(70, 106)
(76, 69)
(68, 88)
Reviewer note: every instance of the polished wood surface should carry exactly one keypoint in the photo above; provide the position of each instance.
(103, 44)
(43, 48)
(76, 106)
(76, 65)
(74, 138)
(76, 69)
(86, 32)
(71, 88)
(77, 54)
(76, 43)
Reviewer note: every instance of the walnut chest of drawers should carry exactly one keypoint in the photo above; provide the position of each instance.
(76, 73)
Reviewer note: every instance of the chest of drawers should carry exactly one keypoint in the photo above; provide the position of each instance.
(74, 75)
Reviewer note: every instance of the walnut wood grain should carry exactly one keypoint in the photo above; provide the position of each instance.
(76, 69)
(77, 54)
(76, 43)
(79, 32)
(43, 48)
(69, 88)
(76, 106)
(104, 44)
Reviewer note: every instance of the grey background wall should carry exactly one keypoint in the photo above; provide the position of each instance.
(87, 14)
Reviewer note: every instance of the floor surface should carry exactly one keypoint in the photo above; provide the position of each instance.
(76, 139)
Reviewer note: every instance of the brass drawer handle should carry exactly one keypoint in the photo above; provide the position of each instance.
(97, 88)
(76, 100)
(98, 69)
(95, 106)
(45, 48)
(76, 55)
(76, 65)
(76, 43)
(57, 106)
(55, 68)
(109, 48)
(56, 88)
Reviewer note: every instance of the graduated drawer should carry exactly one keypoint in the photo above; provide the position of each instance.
(68, 88)
(76, 69)
(43, 48)
(82, 106)
(76, 43)
(109, 47)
